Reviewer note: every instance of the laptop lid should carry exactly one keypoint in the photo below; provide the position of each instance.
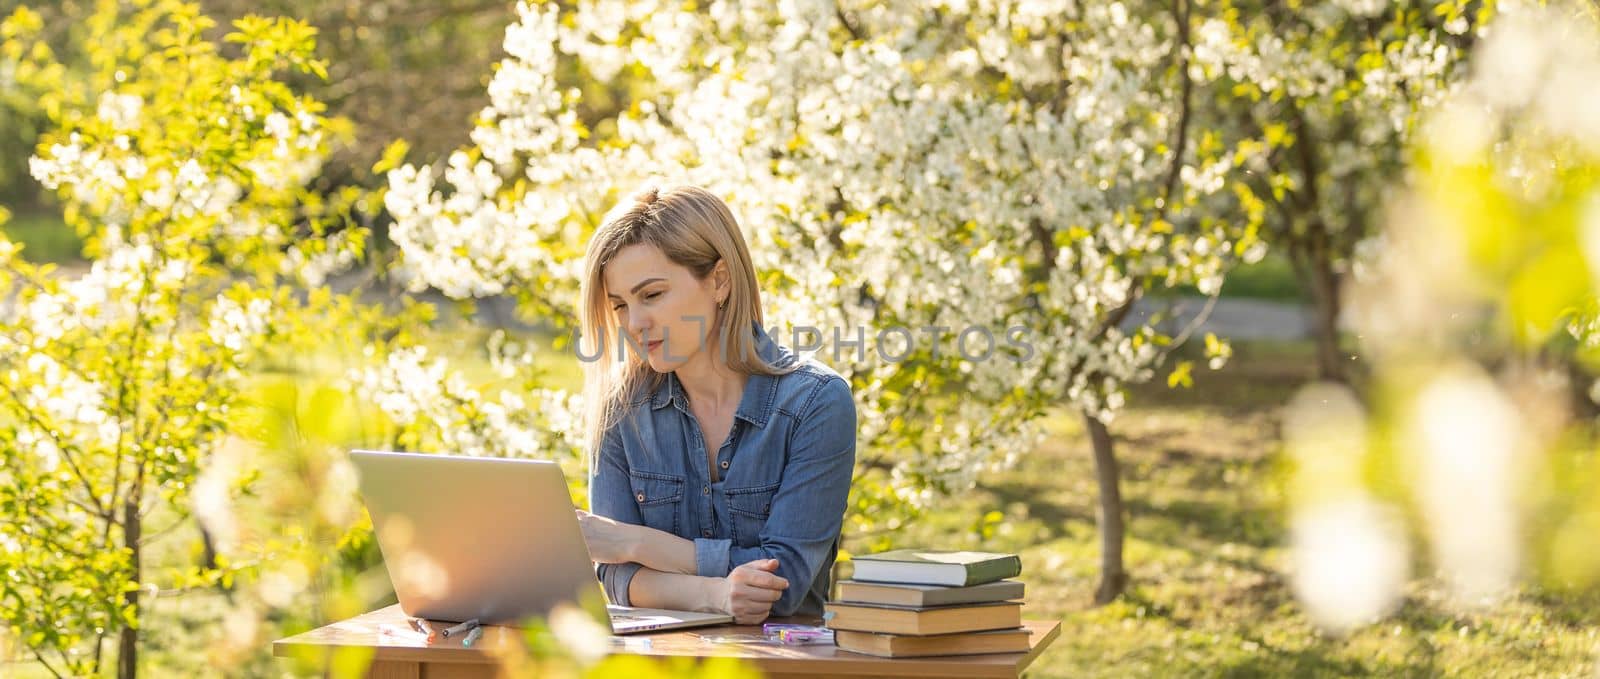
(476, 537)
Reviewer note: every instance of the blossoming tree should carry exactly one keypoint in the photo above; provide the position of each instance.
(184, 171)
(963, 199)
(1329, 96)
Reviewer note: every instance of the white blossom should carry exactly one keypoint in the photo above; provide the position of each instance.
(868, 146)
(120, 110)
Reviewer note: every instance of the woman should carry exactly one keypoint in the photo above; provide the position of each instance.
(722, 462)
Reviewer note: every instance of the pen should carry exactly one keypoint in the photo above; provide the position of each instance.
(425, 628)
(472, 637)
(457, 629)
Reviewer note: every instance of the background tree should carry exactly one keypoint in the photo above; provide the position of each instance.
(1332, 94)
(936, 170)
(397, 69)
(377, 53)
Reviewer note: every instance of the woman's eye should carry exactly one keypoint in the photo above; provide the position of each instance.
(618, 307)
(652, 295)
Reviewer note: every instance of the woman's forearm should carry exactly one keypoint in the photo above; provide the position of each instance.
(651, 588)
(663, 551)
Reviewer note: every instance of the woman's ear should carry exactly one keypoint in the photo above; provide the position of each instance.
(720, 279)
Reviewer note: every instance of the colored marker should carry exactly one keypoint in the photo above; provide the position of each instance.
(457, 629)
(425, 628)
(472, 637)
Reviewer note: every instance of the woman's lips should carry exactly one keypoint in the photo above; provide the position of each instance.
(651, 346)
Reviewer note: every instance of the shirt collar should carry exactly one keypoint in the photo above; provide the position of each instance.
(760, 391)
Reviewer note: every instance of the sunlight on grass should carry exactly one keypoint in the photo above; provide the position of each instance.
(1206, 485)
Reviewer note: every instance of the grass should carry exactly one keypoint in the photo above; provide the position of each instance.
(1271, 279)
(1205, 492)
(44, 237)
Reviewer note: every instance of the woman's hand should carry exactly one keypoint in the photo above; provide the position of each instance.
(752, 588)
(609, 540)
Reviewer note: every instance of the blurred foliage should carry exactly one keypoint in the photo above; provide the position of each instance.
(1507, 204)
(119, 380)
(1477, 441)
(1209, 488)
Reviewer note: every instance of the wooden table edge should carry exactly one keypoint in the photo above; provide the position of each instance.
(925, 666)
(284, 648)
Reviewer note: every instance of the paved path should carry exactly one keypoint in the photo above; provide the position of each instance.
(1234, 319)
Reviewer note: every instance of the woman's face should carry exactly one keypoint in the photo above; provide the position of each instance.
(664, 309)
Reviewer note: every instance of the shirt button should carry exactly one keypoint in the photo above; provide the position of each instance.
(639, 497)
(724, 464)
(705, 490)
(706, 533)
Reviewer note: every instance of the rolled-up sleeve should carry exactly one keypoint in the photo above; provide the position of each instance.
(609, 496)
(808, 508)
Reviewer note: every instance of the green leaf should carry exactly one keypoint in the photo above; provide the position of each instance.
(1181, 375)
(392, 157)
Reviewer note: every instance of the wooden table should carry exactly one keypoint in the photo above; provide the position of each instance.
(403, 656)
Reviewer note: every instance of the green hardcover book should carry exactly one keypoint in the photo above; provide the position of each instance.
(936, 567)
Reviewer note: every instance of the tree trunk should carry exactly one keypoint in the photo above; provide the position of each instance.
(1325, 295)
(128, 647)
(1109, 515)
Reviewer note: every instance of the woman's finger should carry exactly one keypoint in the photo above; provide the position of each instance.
(762, 594)
(768, 581)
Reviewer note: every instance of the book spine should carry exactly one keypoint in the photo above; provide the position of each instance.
(999, 569)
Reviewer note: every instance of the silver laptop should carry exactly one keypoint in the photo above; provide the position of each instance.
(488, 538)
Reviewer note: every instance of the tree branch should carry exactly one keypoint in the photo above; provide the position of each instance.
(45, 663)
(1194, 324)
(855, 31)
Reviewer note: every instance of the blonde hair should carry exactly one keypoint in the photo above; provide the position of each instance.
(695, 230)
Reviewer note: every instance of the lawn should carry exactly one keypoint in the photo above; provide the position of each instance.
(1271, 279)
(1205, 486)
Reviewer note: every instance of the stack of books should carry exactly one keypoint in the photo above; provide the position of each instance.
(915, 602)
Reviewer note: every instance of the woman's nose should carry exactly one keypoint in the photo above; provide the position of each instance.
(638, 325)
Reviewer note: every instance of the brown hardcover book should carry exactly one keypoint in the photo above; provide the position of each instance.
(924, 621)
(923, 596)
(902, 646)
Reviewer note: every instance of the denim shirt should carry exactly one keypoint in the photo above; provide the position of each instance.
(784, 477)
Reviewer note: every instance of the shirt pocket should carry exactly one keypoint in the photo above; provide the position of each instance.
(749, 509)
(658, 496)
